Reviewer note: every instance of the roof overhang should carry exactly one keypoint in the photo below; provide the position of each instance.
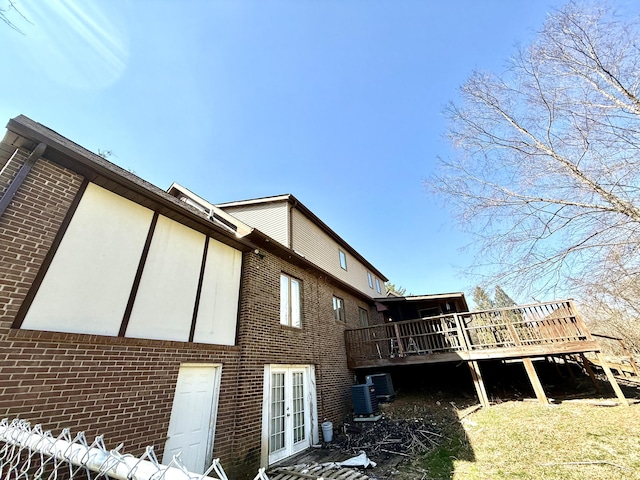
(424, 298)
(26, 134)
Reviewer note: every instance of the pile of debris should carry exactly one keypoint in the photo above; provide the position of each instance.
(389, 437)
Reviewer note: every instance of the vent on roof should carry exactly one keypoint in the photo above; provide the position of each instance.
(223, 220)
(212, 215)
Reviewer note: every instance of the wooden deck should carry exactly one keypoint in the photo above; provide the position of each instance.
(542, 329)
(553, 328)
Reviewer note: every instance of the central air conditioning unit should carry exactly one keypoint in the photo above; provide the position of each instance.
(383, 385)
(365, 403)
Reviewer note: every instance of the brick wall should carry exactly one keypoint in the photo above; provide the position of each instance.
(123, 388)
(263, 340)
(120, 388)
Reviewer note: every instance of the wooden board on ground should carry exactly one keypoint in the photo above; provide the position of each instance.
(314, 471)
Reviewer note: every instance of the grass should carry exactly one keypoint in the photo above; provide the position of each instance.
(527, 440)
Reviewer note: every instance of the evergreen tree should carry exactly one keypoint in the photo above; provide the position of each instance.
(501, 299)
(482, 299)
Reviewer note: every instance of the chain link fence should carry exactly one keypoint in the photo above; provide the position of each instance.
(29, 453)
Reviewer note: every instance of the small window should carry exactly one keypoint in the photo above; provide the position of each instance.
(338, 309)
(370, 279)
(290, 311)
(343, 260)
(363, 317)
(378, 289)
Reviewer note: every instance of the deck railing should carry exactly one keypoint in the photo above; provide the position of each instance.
(462, 334)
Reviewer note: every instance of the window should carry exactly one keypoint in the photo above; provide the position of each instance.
(343, 260)
(363, 317)
(378, 286)
(290, 312)
(338, 309)
(370, 279)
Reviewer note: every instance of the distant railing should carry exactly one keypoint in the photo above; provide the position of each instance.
(462, 333)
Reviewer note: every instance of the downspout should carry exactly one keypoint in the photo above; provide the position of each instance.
(20, 177)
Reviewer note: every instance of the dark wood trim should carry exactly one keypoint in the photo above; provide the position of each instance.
(20, 176)
(46, 263)
(136, 281)
(192, 331)
(243, 267)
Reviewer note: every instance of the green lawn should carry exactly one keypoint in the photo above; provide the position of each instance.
(527, 440)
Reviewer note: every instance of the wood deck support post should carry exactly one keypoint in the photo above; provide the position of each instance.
(478, 383)
(568, 366)
(587, 366)
(535, 381)
(612, 379)
(632, 362)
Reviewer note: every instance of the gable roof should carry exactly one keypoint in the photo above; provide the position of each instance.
(295, 203)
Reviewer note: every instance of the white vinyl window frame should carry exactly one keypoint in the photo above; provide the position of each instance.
(338, 309)
(378, 288)
(343, 259)
(370, 280)
(290, 301)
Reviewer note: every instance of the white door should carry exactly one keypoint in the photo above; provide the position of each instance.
(290, 404)
(192, 422)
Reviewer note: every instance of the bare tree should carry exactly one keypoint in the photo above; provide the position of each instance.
(547, 175)
(10, 11)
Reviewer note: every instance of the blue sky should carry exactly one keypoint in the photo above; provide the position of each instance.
(337, 102)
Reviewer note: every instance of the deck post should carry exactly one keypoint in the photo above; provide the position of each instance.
(587, 366)
(535, 381)
(465, 342)
(478, 383)
(612, 379)
(568, 366)
(632, 362)
(399, 340)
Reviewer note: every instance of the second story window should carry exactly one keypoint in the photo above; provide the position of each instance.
(290, 307)
(378, 289)
(338, 309)
(370, 279)
(343, 260)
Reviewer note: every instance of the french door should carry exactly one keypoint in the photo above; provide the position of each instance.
(290, 405)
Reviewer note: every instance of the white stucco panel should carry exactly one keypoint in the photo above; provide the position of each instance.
(164, 303)
(87, 285)
(218, 308)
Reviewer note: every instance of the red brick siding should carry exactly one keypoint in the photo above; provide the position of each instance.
(263, 340)
(123, 388)
(120, 388)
